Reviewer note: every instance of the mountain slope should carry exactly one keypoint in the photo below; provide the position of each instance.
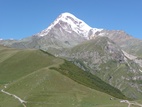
(128, 43)
(103, 58)
(28, 75)
(66, 31)
(68, 23)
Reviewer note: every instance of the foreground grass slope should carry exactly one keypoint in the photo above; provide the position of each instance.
(49, 88)
(28, 75)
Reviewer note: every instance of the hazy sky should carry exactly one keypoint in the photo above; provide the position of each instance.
(23, 18)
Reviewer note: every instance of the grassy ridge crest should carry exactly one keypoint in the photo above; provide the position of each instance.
(87, 79)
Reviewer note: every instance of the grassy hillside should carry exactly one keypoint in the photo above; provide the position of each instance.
(88, 79)
(23, 63)
(49, 88)
(28, 75)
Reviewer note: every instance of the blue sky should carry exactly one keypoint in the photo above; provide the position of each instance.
(23, 18)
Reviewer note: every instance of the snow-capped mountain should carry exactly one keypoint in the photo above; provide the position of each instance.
(68, 31)
(69, 23)
(69, 37)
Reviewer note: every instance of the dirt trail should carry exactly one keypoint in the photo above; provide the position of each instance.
(16, 97)
(131, 103)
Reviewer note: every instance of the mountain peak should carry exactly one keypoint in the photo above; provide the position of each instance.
(66, 14)
(69, 23)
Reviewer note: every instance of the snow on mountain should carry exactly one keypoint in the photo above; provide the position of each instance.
(70, 23)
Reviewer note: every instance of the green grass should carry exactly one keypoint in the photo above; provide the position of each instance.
(23, 63)
(8, 101)
(95, 44)
(49, 88)
(28, 75)
(88, 79)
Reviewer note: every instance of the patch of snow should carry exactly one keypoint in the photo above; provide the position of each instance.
(69, 31)
(77, 25)
(75, 22)
(102, 34)
(72, 24)
(95, 30)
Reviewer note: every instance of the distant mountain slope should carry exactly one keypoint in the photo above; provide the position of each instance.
(103, 58)
(28, 75)
(128, 43)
